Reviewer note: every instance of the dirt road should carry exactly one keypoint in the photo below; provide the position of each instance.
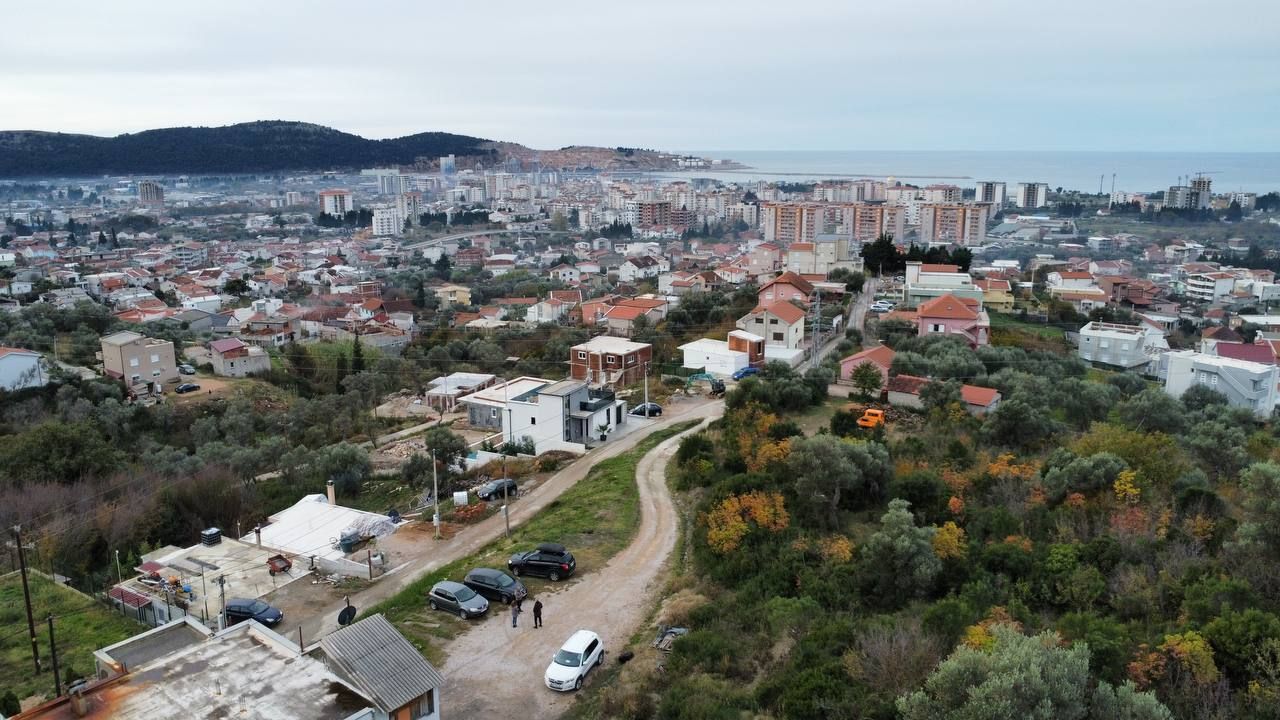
(495, 668)
(473, 537)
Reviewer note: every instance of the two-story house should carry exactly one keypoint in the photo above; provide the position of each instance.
(787, 286)
(780, 323)
(954, 316)
(137, 359)
(564, 415)
(605, 360)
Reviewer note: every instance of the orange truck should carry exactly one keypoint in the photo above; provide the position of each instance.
(872, 418)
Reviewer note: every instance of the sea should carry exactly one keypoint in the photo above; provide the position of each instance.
(1081, 171)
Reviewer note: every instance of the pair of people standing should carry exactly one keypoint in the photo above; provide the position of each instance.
(517, 607)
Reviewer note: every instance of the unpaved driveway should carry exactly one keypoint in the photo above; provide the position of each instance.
(495, 670)
(474, 537)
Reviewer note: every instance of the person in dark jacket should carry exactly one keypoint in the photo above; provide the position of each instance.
(515, 613)
(537, 613)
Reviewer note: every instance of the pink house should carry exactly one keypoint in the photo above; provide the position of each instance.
(787, 286)
(956, 316)
(881, 356)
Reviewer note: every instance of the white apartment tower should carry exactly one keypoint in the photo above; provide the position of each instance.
(1033, 195)
(990, 191)
(336, 202)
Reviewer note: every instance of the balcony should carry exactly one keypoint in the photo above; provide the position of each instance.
(597, 398)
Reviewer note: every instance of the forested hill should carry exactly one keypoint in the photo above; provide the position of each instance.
(248, 147)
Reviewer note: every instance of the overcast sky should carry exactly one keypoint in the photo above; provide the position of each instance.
(745, 75)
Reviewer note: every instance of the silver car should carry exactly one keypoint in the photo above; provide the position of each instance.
(457, 598)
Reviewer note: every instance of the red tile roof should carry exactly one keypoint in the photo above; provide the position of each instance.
(939, 268)
(980, 396)
(800, 283)
(783, 310)
(1252, 353)
(950, 307)
(881, 355)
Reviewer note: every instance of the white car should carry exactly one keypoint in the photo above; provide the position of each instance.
(581, 652)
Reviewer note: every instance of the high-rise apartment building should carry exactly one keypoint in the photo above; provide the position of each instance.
(1033, 195)
(990, 191)
(954, 223)
(409, 205)
(1201, 192)
(788, 222)
(336, 202)
(151, 194)
(387, 220)
(448, 165)
(292, 197)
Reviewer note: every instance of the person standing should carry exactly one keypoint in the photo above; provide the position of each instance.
(537, 613)
(515, 613)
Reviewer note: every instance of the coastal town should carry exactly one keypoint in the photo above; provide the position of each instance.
(420, 331)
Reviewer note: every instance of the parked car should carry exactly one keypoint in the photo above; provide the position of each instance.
(241, 609)
(495, 585)
(571, 663)
(186, 369)
(745, 372)
(498, 489)
(186, 388)
(549, 560)
(650, 409)
(457, 598)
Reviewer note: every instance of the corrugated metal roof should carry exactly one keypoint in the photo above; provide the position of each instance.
(382, 662)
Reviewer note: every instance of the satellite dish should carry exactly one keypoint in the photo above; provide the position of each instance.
(347, 615)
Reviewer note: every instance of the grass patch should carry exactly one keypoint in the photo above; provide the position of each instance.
(595, 519)
(1005, 321)
(818, 416)
(81, 625)
(383, 492)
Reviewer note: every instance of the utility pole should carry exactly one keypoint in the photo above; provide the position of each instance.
(222, 586)
(435, 493)
(646, 388)
(120, 581)
(26, 595)
(53, 652)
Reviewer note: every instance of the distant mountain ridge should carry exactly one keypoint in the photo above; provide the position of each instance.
(262, 146)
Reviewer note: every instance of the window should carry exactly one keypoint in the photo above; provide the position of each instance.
(582, 355)
(777, 336)
(155, 358)
(937, 328)
(533, 421)
(611, 360)
(426, 705)
(155, 373)
(773, 321)
(493, 412)
(133, 362)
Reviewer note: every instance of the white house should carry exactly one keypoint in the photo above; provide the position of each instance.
(780, 324)
(1245, 384)
(21, 369)
(563, 415)
(713, 356)
(639, 268)
(1126, 346)
(565, 273)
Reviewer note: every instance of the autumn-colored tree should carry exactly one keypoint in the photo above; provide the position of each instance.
(732, 518)
(1126, 487)
(950, 542)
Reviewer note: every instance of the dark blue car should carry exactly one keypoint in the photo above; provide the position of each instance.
(240, 609)
(745, 372)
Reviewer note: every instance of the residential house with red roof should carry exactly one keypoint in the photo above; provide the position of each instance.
(880, 356)
(955, 317)
(780, 323)
(787, 286)
(904, 391)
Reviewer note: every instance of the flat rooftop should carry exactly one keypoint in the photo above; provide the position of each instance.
(243, 672)
(517, 390)
(609, 344)
(242, 563)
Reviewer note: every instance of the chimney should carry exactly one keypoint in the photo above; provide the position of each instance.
(333, 499)
(257, 529)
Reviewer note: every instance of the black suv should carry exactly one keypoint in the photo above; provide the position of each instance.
(549, 560)
(240, 609)
(498, 489)
(495, 585)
